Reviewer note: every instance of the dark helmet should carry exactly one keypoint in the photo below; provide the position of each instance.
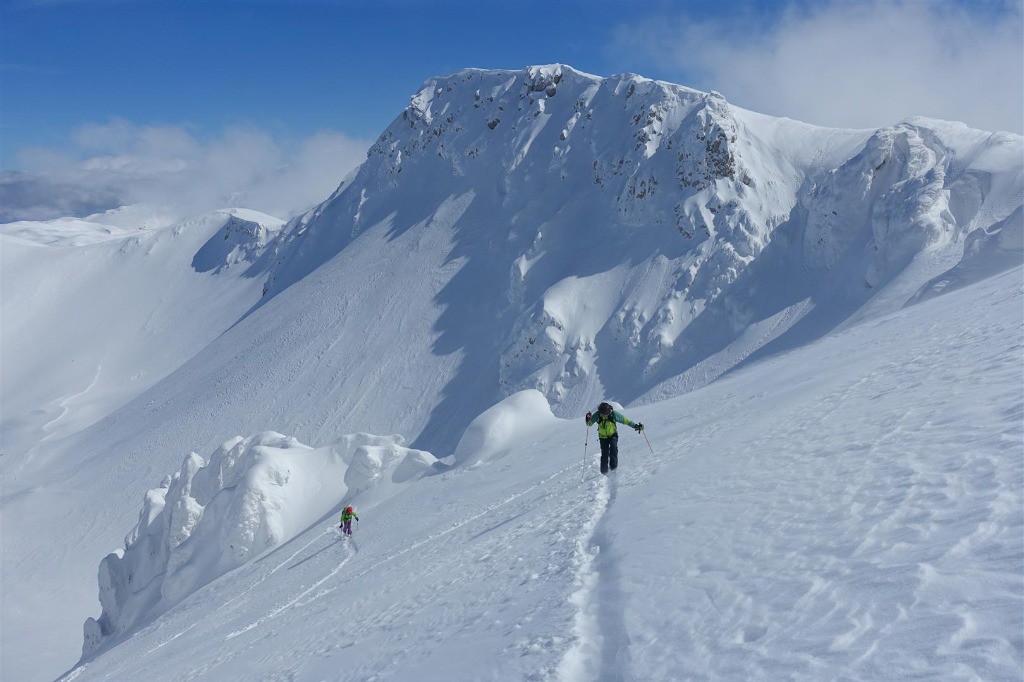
(605, 409)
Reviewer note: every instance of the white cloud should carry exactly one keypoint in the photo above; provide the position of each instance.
(859, 65)
(119, 162)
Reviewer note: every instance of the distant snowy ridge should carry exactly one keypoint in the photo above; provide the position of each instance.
(61, 232)
(252, 495)
(85, 307)
(113, 224)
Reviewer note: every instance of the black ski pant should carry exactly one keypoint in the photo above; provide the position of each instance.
(609, 453)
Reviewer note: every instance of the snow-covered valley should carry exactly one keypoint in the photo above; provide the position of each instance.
(822, 330)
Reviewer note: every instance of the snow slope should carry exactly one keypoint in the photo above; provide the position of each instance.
(604, 263)
(540, 230)
(89, 325)
(860, 523)
(213, 516)
(90, 322)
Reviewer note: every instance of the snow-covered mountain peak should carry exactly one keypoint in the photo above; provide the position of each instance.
(675, 212)
(472, 116)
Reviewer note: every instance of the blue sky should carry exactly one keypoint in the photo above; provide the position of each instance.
(292, 67)
(102, 79)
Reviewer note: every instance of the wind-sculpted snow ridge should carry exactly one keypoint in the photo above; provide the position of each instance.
(252, 495)
(655, 236)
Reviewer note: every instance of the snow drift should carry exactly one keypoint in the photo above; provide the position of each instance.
(252, 495)
(497, 430)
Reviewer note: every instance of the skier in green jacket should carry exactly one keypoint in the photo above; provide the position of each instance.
(608, 433)
(346, 520)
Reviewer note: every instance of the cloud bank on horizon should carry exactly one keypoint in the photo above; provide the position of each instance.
(849, 65)
(117, 163)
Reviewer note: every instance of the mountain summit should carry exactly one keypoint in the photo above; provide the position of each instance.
(618, 236)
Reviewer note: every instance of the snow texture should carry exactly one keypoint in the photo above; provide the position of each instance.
(821, 329)
(789, 524)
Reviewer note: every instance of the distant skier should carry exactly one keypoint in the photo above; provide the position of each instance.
(346, 520)
(608, 433)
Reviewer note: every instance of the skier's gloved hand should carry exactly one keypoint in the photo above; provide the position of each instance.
(590, 416)
(639, 427)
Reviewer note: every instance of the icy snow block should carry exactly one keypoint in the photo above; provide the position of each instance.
(210, 517)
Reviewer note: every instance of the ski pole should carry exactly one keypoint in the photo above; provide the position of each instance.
(583, 464)
(648, 442)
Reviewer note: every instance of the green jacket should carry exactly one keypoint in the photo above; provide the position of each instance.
(606, 425)
(345, 516)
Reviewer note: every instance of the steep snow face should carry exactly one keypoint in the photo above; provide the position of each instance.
(252, 495)
(641, 190)
(621, 233)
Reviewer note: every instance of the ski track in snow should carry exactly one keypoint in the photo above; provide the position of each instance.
(600, 647)
(74, 673)
(351, 552)
(204, 670)
(392, 557)
(610, 599)
(545, 644)
(261, 579)
(64, 406)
